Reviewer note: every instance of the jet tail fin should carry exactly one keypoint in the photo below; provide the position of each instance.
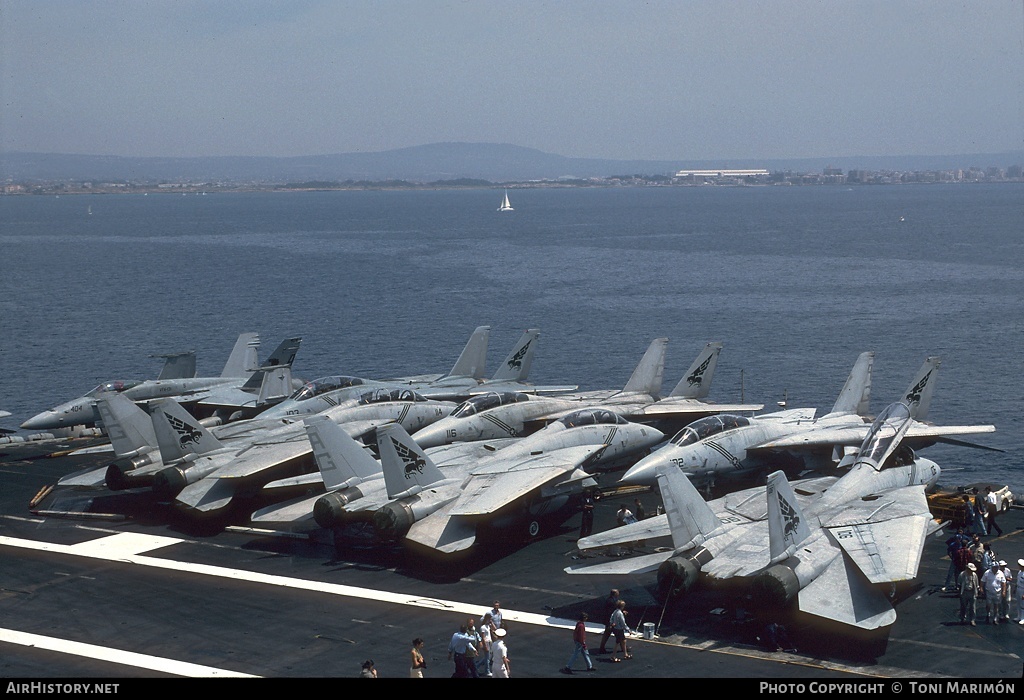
(128, 426)
(339, 457)
(787, 526)
(690, 518)
(648, 375)
(178, 365)
(407, 468)
(474, 356)
(919, 393)
(242, 359)
(276, 385)
(696, 383)
(178, 433)
(284, 354)
(855, 396)
(516, 367)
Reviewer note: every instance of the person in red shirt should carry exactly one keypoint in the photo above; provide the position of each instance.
(579, 637)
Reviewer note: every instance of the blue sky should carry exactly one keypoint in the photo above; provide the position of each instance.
(687, 80)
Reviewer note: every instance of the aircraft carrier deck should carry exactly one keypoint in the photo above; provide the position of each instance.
(130, 595)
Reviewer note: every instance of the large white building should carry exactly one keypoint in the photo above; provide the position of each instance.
(721, 173)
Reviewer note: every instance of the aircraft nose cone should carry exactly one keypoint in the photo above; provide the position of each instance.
(654, 436)
(644, 472)
(42, 421)
(431, 436)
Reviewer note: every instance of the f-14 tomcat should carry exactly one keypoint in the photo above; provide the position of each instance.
(241, 370)
(511, 414)
(465, 378)
(730, 446)
(824, 542)
(439, 508)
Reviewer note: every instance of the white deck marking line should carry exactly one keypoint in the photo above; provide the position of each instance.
(124, 544)
(115, 553)
(347, 591)
(117, 656)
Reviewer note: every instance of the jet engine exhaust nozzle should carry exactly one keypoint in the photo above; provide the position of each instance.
(391, 521)
(775, 587)
(329, 509)
(168, 483)
(676, 576)
(119, 475)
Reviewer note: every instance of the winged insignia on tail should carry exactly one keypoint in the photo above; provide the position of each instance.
(914, 395)
(516, 361)
(186, 433)
(697, 376)
(412, 461)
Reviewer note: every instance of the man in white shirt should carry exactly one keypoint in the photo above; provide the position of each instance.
(993, 583)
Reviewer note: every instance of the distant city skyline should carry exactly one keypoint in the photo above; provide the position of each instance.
(609, 79)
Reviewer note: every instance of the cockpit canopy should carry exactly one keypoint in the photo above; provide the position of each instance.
(706, 427)
(483, 402)
(592, 416)
(116, 386)
(323, 385)
(383, 395)
(885, 434)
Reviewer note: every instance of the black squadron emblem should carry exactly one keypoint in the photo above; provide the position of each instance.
(791, 521)
(516, 361)
(697, 376)
(186, 433)
(914, 395)
(412, 461)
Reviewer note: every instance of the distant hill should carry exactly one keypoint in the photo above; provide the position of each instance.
(493, 162)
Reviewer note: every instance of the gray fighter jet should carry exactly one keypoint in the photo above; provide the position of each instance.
(728, 446)
(209, 475)
(515, 414)
(177, 374)
(826, 542)
(519, 484)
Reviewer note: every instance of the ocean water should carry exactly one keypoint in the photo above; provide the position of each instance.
(796, 282)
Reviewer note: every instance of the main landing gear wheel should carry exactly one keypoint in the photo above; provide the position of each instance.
(533, 529)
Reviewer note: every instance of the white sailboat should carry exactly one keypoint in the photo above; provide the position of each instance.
(505, 206)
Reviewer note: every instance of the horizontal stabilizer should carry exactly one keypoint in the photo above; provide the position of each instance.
(646, 529)
(840, 593)
(622, 566)
(207, 496)
(85, 477)
(442, 532)
(295, 515)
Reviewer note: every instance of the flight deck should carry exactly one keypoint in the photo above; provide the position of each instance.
(132, 594)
